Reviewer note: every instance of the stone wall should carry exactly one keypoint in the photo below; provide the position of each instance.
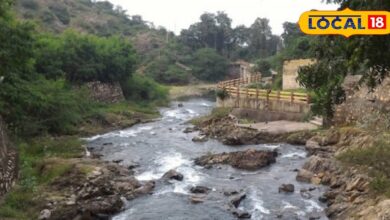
(273, 109)
(361, 103)
(105, 92)
(290, 72)
(8, 162)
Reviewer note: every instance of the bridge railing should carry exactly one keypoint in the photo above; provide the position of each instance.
(234, 89)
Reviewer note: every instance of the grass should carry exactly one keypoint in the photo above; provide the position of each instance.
(376, 159)
(38, 168)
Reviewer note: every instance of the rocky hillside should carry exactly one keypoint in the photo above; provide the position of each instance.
(99, 18)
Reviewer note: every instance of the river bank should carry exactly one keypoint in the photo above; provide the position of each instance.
(354, 192)
(60, 179)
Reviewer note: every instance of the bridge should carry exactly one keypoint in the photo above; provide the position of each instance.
(279, 105)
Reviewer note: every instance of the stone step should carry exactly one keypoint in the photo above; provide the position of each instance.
(317, 121)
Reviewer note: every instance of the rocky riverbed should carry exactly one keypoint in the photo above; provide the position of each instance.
(207, 179)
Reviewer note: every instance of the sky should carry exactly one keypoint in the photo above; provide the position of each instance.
(176, 15)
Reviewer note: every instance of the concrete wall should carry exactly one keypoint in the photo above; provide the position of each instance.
(290, 72)
(105, 92)
(276, 110)
(8, 162)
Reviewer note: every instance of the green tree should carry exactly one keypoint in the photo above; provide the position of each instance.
(337, 56)
(264, 67)
(208, 65)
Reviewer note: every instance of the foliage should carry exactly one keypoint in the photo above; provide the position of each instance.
(208, 65)
(23, 201)
(222, 94)
(165, 70)
(325, 77)
(84, 58)
(143, 89)
(264, 67)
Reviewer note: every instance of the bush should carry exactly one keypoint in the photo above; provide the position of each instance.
(43, 106)
(29, 4)
(208, 65)
(144, 89)
(222, 94)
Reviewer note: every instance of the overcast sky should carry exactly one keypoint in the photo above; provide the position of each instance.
(176, 15)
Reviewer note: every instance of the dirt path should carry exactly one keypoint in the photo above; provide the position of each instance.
(280, 127)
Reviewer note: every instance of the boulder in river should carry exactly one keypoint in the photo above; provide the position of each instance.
(286, 188)
(236, 200)
(173, 175)
(189, 130)
(200, 189)
(247, 160)
(241, 214)
(200, 138)
(195, 199)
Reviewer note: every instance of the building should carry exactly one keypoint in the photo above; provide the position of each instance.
(241, 69)
(290, 72)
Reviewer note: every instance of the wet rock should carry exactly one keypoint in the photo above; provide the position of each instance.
(200, 189)
(236, 200)
(304, 176)
(241, 214)
(323, 199)
(132, 166)
(230, 192)
(247, 160)
(108, 205)
(286, 188)
(189, 130)
(44, 214)
(117, 161)
(180, 105)
(146, 188)
(108, 143)
(195, 199)
(201, 138)
(306, 195)
(173, 175)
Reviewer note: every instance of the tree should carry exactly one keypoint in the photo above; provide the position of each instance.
(84, 58)
(264, 67)
(337, 56)
(208, 65)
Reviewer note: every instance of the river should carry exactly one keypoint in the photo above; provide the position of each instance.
(159, 146)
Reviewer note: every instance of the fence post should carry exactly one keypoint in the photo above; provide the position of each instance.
(247, 98)
(292, 97)
(257, 97)
(238, 96)
(308, 98)
(278, 95)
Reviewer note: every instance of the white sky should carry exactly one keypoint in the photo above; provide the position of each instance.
(176, 15)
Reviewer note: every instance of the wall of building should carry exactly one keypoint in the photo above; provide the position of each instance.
(290, 72)
(8, 162)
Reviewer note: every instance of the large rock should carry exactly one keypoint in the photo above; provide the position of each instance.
(247, 160)
(236, 200)
(286, 188)
(200, 189)
(200, 138)
(173, 175)
(304, 176)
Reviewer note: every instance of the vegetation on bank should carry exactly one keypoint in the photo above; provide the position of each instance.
(36, 173)
(374, 160)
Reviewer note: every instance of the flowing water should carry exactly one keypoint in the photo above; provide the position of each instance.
(161, 145)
